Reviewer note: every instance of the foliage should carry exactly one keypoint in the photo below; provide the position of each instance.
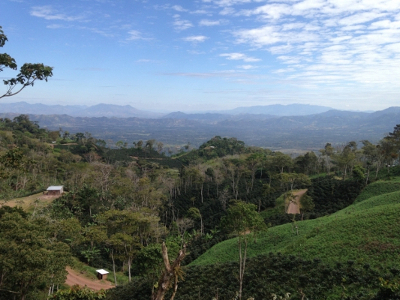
(331, 194)
(244, 222)
(378, 188)
(216, 147)
(278, 274)
(340, 236)
(30, 257)
(78, 293)
(121, 203)
(27, 75)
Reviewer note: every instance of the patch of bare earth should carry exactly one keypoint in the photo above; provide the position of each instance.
(76, 278)
(294, 204)
(29, 203)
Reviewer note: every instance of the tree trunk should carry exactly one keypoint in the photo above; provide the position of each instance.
(129, 269)
(169, 273)
(201, 226)
(113, 261)
(242, 264)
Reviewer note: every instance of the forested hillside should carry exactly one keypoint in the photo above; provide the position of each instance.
(283, 133)
(120, 205)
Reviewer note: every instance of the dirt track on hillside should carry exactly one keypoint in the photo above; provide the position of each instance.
(75, 278)
(28, 203)
(294, 205)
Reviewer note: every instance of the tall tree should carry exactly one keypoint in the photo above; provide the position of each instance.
(282, 161)
(394, 140)
(243, 221)
(234, 169)
(327, 154)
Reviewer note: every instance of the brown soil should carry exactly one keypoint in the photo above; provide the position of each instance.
(28, 203)
(294, 205)
(75, 278)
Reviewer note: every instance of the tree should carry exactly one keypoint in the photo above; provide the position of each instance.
(346, 158)
(234, 169)
(29, 256)
(393, 140)
(170, 275)
(253, 162)
(27, 75)
(394, 137)
(307, 163)
(282, 161)
(292, 180)
(306, 204)
(243, 221)
(160, 146)
(372, 155)
(194, 213)
(327, 154)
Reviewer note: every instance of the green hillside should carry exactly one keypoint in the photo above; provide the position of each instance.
(366, 231)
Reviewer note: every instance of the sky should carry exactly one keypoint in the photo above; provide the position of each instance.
(205, 55)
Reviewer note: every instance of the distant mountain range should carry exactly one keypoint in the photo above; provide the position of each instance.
(99, 110)
(307, 132)
(127, 111)
(279, 110)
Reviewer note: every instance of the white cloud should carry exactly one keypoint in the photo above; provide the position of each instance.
(281, 49)
(228, 2)
(180, 24)
(48, 13)
(360, 18)
(247, 67)
(136, 35)
(326, 41)
(200, 12)
(195, 38)
(239, 56)
(55, 26)
(209, 22)
(179, 8)
(227, 11)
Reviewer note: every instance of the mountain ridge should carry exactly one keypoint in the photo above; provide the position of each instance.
(126, 111)
(309, 132)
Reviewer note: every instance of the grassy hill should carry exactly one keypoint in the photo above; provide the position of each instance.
(365, 232)
(349, 255)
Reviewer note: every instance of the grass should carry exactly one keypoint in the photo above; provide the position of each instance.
(366, 231)
(378, 188)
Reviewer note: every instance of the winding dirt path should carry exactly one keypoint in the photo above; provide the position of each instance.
(294, 205)
(75, 278)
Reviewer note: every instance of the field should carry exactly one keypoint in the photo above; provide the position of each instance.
(30, 203)
(365, 232)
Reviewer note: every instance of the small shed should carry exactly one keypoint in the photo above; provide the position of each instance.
(102, 274)
(55, 190)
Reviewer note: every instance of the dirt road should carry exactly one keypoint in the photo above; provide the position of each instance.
(75, 278)
(294, 204)
(31, 202)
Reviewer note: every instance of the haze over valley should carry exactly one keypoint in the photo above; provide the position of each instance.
(278, 127)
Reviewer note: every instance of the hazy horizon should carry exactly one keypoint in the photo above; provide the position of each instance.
(180, 110)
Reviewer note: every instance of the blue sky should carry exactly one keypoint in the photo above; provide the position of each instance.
(208, 54)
